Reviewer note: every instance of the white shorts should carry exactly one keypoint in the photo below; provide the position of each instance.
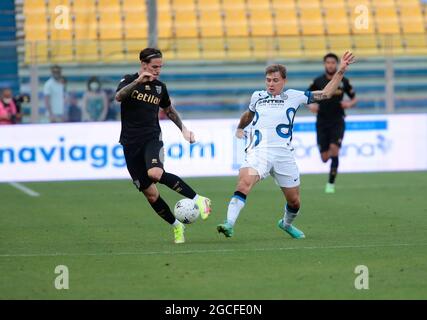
(280, 165)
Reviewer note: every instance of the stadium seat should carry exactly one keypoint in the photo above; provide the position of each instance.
(212, 48)
(285, 17)
(235, 18)
(110, 25)
(238, 48)
(290, 47)
(314, 46)
(187, 49)
(164, 18)
(336, 18)
(112, 50)
(36, 27)
(135, 25)
(185, 24)
(210, 22)
(386, 18)
(264, 47)
(339, 43)
(310, 18)
(260, 17)
(411, 16)
(61, 51)
(86, 51)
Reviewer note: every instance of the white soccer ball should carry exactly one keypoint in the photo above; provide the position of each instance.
(186, 211)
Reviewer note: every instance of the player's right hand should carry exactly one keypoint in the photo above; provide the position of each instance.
(240, 133)
(145, 77)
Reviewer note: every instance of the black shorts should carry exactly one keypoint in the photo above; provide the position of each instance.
(327, 133)
(141, 158)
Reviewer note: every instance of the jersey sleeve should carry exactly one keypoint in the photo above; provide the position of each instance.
(165, 102)
(124, 82)
(348, 88)
(256, 96)
(302, 97)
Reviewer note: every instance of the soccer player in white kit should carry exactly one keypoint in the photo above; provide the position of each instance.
(269, 152)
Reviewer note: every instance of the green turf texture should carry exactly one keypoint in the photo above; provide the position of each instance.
(116, 247)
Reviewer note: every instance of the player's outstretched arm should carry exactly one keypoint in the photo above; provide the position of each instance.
(173, 115)
(332, 86)
(245, 119)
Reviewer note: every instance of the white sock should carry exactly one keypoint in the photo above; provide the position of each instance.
(196, 197)
(289, 217)
(176, 223)
(234, 207)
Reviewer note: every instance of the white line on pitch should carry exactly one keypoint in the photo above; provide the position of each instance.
(211, 251)
(24, 189)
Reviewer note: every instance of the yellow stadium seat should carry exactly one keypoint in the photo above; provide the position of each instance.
(411, 17)
(164, 17)
(36, 52)
(133, 48)
(264, 47)
(314, 46)
(185, 24)
(391, 43)
(110, 25)
(183, 5)
(261, 23)
(286, 22)
(386, 19)
(187, 49)
(61, 51)
(339, 43)
(86, 6)
(112, 50)
(110, 5)
(135, 25)
(311, 19)
(35, 27)
(290, 47)
(238, 48)
(34, 7)
(415, 44)
(236, 23)
(212, 48)
(211, 23)
(86, 51)
(336, 19)
(85, 25)
(365, 45)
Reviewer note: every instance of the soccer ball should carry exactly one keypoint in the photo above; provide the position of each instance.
(186, 211)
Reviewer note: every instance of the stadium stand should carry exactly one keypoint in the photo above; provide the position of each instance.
(221, 29)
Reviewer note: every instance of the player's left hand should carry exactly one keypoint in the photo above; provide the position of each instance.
(188, 135)
(347, 59)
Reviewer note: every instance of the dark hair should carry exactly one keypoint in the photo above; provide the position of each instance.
(276, 68)
(330, 55)
(149, 53)
(55, 67)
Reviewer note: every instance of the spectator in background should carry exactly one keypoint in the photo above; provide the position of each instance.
(54, 95)
(8, 111)
(74, 111)
(95, 101)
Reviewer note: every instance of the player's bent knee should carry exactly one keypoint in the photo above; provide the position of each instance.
(155, 174)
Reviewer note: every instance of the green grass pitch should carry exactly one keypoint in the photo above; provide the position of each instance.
(115, 247)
